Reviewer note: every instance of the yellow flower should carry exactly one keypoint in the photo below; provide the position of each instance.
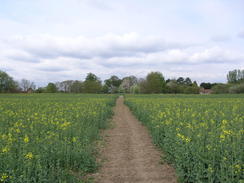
(65, 124)
(222, 137)
(29, 155)
(224, 122)
(227, 132)
(74, 139)
(182, 137)
(4, 177)
(26, 139)
(5, 150)
(237, 166)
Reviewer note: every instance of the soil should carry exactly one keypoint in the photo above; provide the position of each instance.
(129, 155)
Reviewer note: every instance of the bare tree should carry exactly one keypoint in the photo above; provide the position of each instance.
(65, 86)
(25, 85)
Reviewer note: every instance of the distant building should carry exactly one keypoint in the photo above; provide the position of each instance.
(205, 91)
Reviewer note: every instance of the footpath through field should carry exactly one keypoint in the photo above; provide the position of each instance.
(130, 156)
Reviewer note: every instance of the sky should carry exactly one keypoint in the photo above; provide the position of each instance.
(55, 40)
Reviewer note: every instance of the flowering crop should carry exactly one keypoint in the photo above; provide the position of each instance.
(201, 135)
(50, 137)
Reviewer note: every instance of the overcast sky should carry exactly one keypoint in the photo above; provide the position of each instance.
(55, 40)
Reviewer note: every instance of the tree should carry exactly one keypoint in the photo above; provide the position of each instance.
(143, 87)
(235, 76)
(128, 83)
(65, 86)
(206, 85)
(180, 80)
(168, 80)
(188, 82)
(113, 84)
(92, 84)
(238, 88)
(105, 89)
(221, 88)
(25, 85)
(76, 87)
(155, 82)
(173, 86)
(135, 89)
(7, 84)
(192, 89)
(40, 90)
(51, 88)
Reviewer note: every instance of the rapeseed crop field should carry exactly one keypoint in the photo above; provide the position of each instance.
(50, 137)
(202, 136)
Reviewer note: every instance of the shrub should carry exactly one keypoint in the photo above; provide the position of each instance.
(237, 88)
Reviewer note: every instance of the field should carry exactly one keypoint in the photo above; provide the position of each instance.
(50, 137)
(202, 136)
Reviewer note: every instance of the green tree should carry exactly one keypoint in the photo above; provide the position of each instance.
(188, 82)
(143, 87)
(235, 76)
(206, 85)
(76, 87)
(192, 89)
(238, 88)
(155, 83)
(112, 84)
(40, 90)
(221, 88)
(173, 86)
(180, 80)
(92, 84)
(51, 88)
(7, 84)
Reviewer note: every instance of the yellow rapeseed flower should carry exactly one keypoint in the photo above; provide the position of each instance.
(222, 137)
(74, 139)
(65, 124)
(5, 150)
(26, 139)
(4, 177)
(227, 132)
(182, 137)
(29, 155)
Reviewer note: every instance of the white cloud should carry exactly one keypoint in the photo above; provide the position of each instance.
(241, 34)
(51, 58)
(65, 39)
(221, 38)
(107, 46)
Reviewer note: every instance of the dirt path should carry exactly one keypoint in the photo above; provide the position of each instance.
(130, 156)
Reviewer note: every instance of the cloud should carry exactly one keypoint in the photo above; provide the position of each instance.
(107, 46)
(221, 38)
(99, 4)
(241, 34)
(47, 58)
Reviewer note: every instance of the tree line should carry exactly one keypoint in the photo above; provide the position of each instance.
(154, 82)
(235, 83)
